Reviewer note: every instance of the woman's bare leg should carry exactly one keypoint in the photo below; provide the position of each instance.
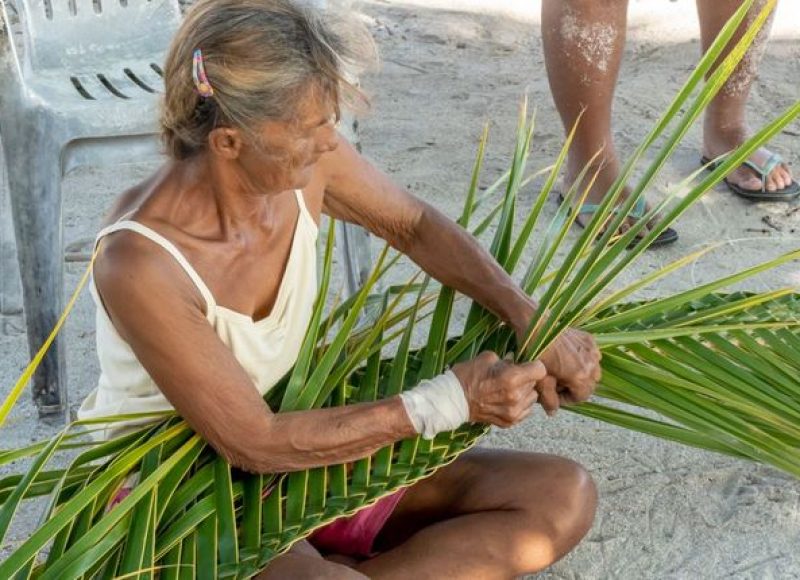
(490, 514)
(583, 44)
(304, 562)
(725, 125)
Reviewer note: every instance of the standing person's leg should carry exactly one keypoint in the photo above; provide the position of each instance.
(583, 45)
(725, 125)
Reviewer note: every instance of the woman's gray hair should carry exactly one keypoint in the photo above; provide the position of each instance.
(259, 56)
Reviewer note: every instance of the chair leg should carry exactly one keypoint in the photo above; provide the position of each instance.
(34, 172)
(10, 287)
(356, 255)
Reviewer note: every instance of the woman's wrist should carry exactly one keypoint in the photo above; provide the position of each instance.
(436, 405)
(520, 313)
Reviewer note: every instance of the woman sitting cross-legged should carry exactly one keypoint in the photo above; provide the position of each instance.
(205, 283)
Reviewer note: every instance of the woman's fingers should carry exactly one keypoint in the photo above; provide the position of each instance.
(517, 407)
(503, 393)
(548, 394)
(533, 371)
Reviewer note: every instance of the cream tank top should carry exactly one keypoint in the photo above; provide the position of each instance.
(266, 348)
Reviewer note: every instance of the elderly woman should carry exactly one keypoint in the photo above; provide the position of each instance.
(205, 283)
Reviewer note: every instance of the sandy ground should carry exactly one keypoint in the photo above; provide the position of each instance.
(449, 65)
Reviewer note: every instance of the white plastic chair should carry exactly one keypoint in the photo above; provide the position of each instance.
(84, 90)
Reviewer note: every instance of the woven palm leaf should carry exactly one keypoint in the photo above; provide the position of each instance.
(671, 361)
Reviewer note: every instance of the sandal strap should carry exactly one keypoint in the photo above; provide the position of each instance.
(763, 171)
(639, 209)
(589, 208)
(760, 171)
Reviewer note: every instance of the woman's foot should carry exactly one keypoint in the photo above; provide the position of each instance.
(720, 140)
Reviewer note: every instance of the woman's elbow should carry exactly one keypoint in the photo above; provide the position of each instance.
(246, 453)
(246, 459)
(406, 234)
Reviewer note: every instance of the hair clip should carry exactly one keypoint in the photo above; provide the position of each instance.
(199, 75)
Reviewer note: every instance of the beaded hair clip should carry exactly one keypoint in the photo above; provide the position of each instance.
(199, 75)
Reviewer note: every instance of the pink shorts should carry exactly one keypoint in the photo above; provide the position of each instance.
(355, 535)
(351, 536)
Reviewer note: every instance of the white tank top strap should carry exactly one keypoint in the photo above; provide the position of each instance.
(304, 213)
(154, 236)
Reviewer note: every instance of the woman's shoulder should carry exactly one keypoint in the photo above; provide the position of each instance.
(134, 248)
(142, 197)
(133, 274)
(126, 256)
(130, 233)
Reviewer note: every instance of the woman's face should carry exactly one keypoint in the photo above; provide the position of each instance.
(284, 153)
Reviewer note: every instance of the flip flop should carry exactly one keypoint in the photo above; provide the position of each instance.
(668, 236)
(787, 193)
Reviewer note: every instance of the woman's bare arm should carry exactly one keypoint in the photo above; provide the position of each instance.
(158, 311)
(358, 192)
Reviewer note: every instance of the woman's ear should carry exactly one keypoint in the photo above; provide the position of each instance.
(225, 142)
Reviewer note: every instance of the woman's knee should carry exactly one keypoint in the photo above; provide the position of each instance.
(566, 505)
(579, 496)
(557, 515)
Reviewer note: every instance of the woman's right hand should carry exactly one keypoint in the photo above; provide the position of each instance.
(498, 391)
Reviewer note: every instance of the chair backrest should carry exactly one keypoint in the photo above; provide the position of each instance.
(86, 36)
(9, 66)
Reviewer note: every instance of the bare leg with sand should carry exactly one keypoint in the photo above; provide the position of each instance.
(725, 126)
(583, 43)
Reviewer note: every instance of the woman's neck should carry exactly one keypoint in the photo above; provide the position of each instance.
(221, 193)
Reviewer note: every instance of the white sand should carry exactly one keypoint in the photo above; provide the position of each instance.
(666, 511)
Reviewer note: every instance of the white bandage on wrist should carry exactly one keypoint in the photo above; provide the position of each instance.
(436, 405)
